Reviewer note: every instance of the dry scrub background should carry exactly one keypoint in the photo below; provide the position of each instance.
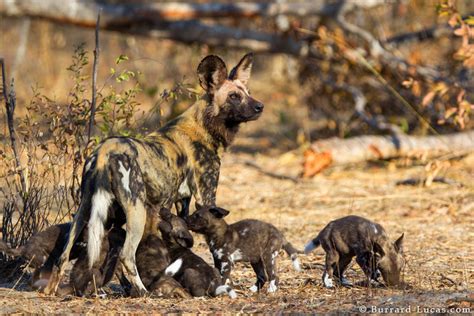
(438, 221)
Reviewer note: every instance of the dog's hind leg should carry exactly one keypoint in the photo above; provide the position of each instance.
(129, 190)
(136, 217)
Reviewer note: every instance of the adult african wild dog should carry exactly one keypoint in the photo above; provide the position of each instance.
(178, 160)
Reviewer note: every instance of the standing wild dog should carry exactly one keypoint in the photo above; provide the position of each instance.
(248, 240)
(354, 236)
(179, 160)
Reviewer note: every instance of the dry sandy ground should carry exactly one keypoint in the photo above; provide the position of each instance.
(439, 235)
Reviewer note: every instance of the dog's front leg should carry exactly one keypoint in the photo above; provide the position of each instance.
(224, 265)
(207, 178)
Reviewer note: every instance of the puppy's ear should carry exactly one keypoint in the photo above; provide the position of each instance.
(399, 243)
(219, 212)
(165, 214)
(378, 249)
(243, 69)
(185, 240)
(212, 73)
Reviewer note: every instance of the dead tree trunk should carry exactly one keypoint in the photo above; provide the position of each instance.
(336, 151)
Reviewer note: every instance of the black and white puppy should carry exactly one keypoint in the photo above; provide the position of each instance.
(354, 236)
(190, 270)
(248, 240)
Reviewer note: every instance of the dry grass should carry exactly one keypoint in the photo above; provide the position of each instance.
(438, 223)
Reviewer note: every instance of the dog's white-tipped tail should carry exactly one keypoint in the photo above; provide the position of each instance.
(174, 267)
(310, 246)
(296, 263)
(222, 289)
(101, 201)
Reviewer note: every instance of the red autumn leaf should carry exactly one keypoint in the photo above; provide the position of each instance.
(315, 162)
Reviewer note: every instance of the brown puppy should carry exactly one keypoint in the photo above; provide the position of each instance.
(249, 240)
(42, 250)
(354, 236)
(190, 270)
(152, 259)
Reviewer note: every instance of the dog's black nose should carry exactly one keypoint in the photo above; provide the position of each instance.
(258, 107)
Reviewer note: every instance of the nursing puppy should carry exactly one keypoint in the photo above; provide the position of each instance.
(152, 259)
(354, 236)
(190, 270)
(248, 240)
(42, 250)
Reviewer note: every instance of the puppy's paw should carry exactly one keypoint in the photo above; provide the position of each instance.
(272, 288)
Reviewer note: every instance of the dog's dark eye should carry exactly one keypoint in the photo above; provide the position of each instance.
(234, 96)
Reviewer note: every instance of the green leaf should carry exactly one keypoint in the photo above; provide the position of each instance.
(470, 21)
(121, 58)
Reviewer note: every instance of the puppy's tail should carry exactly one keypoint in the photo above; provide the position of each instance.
(225, 289)
(4, 248)
(312, 244)
(293, 253)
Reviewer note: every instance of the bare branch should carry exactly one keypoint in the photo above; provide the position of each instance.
(10, 104)
(378, 51)
(377, 123)
(94, 79)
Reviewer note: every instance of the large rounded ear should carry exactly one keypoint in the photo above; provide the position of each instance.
(219, 212)
(212, 73)
(379, 249)
(185, 239)
(399, 243)
(243, 69)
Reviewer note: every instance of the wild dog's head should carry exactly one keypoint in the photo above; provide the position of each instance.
(207, 220)
(390, 260)
(229, 100)
(174, 230)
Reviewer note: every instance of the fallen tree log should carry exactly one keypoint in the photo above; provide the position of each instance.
(337, 151)
(145, 21)
(180, 22)
(128, 13)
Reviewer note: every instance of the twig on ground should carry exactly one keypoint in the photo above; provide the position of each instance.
(269, 173)
(22, 274)
(418, 181)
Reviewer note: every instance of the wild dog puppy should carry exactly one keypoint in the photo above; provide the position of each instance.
(248, 240)
(152, 260)
(179, 160)
(85, 280)
(354, 236)
(190, 270)
(42, 250)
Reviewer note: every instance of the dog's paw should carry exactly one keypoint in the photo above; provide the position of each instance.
(328, 282)
(272, 288)
(254, 288)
